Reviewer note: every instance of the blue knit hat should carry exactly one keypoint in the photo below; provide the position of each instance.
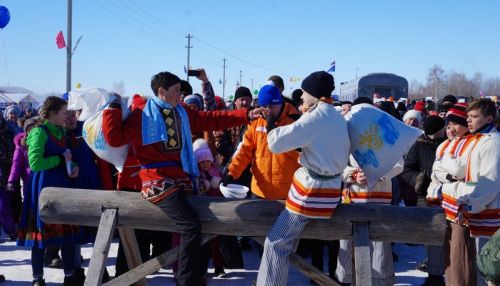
(193, 99)
(270, 95)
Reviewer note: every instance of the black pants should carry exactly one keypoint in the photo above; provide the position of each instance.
(177, 208)
(314, 248)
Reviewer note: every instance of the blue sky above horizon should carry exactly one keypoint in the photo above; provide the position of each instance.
(131, 40)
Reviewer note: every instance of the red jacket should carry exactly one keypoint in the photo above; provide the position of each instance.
(118, 133)
(129, 178)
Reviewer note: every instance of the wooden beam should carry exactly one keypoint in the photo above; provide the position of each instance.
(310, 271)
(362, 261)
(131, 251)
(101, 247)
(151, 265)
(244, 217)
(303, 266)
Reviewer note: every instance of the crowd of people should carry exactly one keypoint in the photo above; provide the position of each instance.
(295, 149)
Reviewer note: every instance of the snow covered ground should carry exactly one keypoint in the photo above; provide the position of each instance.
(15, 265)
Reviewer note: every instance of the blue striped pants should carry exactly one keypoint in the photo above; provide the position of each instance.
(279, 244)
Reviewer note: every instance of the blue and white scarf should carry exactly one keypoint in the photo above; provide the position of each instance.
(154, 130)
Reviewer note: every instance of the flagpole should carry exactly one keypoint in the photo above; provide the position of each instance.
(68, 46)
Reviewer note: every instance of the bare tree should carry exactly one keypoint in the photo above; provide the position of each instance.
(439, 83)
(491, 86)
(435, 81)
(457, 84)
(416, 90)
(476, 84)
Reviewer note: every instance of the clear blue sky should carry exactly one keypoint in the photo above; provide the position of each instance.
(131, 40)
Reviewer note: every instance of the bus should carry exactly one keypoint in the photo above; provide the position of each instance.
(385, 84)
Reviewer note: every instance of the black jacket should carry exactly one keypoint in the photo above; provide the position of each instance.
(418, 164)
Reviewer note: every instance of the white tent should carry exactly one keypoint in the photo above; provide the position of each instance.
(20, 96)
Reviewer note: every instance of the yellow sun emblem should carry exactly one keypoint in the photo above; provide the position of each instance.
(371, 138)
(91, 134)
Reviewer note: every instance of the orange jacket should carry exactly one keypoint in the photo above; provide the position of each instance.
(272, 173)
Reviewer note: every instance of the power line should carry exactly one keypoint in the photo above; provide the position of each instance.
(155, 35)
(144, 14)
(152, 17)
(240, 59)
(154, 28)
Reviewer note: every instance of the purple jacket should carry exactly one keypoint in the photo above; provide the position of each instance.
(20, 165)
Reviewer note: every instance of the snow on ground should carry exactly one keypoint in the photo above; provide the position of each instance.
(15, 264)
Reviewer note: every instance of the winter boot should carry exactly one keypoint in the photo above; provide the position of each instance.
(434, 280)
(422, 266)
(74, 280)
(38, 282)
(219, 272)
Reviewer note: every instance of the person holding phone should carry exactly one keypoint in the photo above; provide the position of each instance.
(208, 93)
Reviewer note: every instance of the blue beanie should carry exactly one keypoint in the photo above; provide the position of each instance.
(193, 99)
(270, 95)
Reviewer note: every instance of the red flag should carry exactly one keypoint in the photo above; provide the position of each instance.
(60, 40)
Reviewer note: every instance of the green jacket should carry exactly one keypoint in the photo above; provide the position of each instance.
(36, 147)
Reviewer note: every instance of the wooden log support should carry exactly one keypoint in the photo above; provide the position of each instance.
(310, 271)
(131, 251)
(305, 267)
(244, 217)
(151, 265)
(101, 247)
(362, 262)
(220, 216)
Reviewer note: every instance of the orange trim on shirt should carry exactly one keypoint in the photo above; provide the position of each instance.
(325, 193)
(309, 211)
(445, 145)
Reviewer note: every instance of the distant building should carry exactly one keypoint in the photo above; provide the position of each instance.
(385, 84)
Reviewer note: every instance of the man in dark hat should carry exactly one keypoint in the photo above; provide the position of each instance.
(320, 171)
(417, 173)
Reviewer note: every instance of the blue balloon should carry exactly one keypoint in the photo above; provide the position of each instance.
(4, 17)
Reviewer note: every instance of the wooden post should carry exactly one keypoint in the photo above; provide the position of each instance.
(151, 265)
(362, 261)
(101, 247)
(131, 250)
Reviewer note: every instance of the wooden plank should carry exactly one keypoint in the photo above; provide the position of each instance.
(303, 266)
(362, 261)
(245, 217)
(131, 250)
(151, 266)
(310, 271)
(101, 247)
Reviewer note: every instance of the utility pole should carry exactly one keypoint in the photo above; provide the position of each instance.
(68, 46)
(189, 36)
(241, 83)
(357, 72)
(224, 80)
(252, 85)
